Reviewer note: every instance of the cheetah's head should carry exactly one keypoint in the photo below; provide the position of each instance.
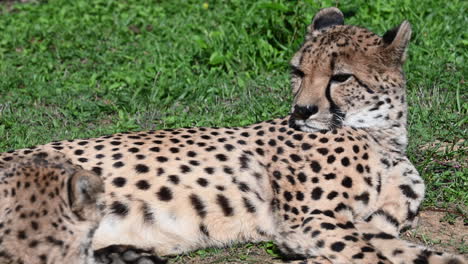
(348, 76)
(50, 208)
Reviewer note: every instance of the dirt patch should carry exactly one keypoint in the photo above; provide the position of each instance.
(441, 146)
(438, 230)
(441, 231)
(456, 152)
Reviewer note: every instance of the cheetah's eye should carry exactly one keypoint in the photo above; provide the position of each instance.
(297, 72)
(341, 77)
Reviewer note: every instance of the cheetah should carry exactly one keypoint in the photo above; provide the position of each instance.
(329, 183)
(48, 210)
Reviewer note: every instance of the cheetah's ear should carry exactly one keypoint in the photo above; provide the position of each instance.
(84, 190)
(396, 41)
(326, 17)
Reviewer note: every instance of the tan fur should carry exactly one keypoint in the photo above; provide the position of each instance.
(339, 191)
(38, 225)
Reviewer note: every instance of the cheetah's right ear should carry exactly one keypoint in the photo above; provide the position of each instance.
(84, 189)
(396, 41)
(326, 17)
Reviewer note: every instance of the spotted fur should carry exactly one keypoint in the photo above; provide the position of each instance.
(326, 187)
(48, 210)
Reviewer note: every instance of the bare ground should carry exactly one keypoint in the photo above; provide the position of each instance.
(441, 231)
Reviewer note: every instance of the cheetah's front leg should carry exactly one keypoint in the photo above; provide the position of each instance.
(327, 237)
(120, 254)
(400, 198)
(309, 260)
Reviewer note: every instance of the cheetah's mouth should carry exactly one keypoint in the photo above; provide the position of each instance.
(308, 125)
(312, 125)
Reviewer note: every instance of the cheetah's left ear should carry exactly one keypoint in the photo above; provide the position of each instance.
(84, 190)
(326, 17)
(396, 41)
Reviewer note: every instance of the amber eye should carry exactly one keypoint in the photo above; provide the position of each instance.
(297, 72)
(339, 78)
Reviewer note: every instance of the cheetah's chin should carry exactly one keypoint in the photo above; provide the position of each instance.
(309, 127)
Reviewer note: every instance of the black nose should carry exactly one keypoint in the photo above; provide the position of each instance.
(304, 112)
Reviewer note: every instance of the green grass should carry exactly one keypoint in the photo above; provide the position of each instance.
(71, 69)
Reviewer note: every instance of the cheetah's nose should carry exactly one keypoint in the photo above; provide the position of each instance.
(304, 112)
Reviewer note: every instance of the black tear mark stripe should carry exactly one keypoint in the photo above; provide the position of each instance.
(338, 116)
(361, 83)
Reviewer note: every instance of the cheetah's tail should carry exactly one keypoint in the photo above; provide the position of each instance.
(399, 251)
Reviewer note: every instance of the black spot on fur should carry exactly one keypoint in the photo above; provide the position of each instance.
(248, 205)
(315, 166)
(332, 195)
(99, 147)
(347, 182)
(288, 196)
(141, 168)
(358, 256)
(306, 146)
(229, 147)
(221, 157)
(143, 185)
(339, 150)
(119, 182)
(174, 179)
(323, 151)
(295, 157)
(408, 191)
(327, 226)
(337, 246)
(198, 205)
(302, 177)
(97, 170)
(164, 194)
(119, 208)
(383, 235)
(209, 170)
(317, 193)
(225, 205)
(364, 197)
(329, 176)
(351, 238)
(148, 216)
(162, 159)
(117, 156)
(360, 168)
(204, 230)
(331, 159)
(345, 161)
(185, 169)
